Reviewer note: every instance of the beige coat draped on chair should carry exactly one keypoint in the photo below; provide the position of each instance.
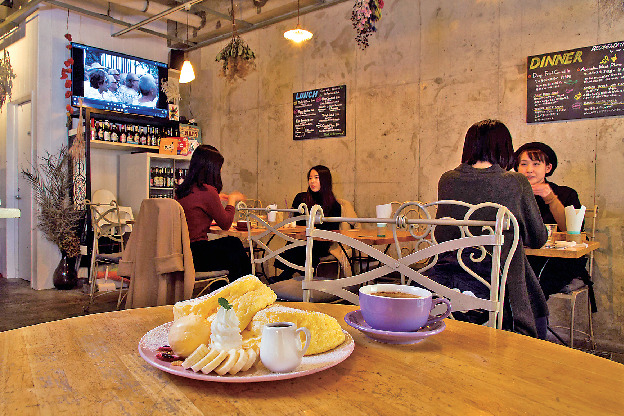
(158, 256)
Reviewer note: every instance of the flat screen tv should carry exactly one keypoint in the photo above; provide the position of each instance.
(114, 81)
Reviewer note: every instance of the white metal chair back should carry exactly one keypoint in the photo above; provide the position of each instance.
(106, 223)
(422, 230)
(260, 251)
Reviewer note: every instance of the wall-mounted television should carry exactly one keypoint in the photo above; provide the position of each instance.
(114, 81)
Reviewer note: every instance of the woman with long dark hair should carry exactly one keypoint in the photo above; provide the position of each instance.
(484, 176)
(200, 196)
(320, 192)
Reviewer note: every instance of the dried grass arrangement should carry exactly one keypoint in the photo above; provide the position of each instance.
(238, 60)
(237, 57)
(57, 217)
(6, 78)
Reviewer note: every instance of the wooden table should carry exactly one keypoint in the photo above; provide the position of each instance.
(573, 252)
(90, 365)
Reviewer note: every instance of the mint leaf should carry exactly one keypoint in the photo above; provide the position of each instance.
(224, 303)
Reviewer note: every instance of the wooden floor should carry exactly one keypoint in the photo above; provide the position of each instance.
(22, 306)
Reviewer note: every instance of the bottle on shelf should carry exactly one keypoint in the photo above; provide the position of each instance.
(100, 130)
(107, 133)
(114, 133)
(142, 136)
(92, 132)
(122, 133)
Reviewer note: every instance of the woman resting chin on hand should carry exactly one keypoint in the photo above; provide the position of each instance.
(537, 161)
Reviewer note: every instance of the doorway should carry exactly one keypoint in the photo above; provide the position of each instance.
(20, 146)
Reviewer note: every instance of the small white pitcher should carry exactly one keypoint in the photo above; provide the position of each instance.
(280, 347)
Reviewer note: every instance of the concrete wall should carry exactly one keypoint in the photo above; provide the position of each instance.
(434, 68)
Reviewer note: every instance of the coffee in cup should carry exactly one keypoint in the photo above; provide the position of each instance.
(399, 308)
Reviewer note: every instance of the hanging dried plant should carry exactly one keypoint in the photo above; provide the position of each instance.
(6, 78)
(58, 218)
(238, 59)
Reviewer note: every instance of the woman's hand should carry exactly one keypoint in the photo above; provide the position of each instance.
(541, 189)
(234, 197)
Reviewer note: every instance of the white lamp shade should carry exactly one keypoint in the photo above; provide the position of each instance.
(187, 74)
(298, 35)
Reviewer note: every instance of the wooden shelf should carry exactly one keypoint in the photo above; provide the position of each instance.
(99, 144)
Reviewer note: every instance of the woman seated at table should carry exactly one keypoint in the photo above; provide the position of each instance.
(483, 176)
(200, 197)
(537, 161)
(320, 192)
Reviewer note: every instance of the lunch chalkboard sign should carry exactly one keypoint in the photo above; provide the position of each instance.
(574, 84)
(320, 113)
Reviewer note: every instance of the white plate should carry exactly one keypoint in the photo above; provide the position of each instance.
(157, 337)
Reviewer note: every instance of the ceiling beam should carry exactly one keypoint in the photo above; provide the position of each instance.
(187, 4)
(222, 15)
(320, 4)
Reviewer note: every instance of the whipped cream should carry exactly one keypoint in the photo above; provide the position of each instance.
(225, 334)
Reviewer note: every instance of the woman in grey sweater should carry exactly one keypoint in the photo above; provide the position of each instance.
(483, 176)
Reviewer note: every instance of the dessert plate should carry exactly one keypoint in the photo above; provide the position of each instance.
(356, 320)
(157, 337)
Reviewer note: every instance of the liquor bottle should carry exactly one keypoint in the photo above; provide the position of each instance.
(92, 132)
(107, 133)
(122, 133)
(151, 177)
(114, 133)
(134, 134)
(100, 130)
(148, 136)
(142, 137)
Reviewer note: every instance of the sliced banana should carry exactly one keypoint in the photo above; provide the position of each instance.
(214, 363)
(228, 363)
(197, 355)
(221, 362)
(212, 354)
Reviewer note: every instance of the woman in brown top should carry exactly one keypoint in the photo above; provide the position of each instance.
(200, 196)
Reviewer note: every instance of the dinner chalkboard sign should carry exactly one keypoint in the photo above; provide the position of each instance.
(320, 113)
(574, 84)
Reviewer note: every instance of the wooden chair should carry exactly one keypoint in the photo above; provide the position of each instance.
(165, 276)
(577, 287)
(422, 230)
(106, 223)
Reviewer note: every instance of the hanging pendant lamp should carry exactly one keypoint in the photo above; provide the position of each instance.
(298, 35)
(187, 74)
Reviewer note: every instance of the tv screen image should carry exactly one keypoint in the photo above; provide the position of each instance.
(118, 82)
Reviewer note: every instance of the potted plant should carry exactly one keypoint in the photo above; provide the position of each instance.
(57, 216)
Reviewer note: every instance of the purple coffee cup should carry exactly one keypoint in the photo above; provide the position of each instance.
(399, 314)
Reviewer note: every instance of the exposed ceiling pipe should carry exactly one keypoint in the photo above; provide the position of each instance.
(320, 4)
(106, 18)
(152, 8)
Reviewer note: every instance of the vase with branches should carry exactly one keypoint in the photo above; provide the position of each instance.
(58, 217)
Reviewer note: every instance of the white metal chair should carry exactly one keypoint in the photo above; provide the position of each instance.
(268, 245)
(577, 287)
(423, 232)
(106, 223)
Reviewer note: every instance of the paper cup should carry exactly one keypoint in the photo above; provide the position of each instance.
(384, 211)
(272, 215)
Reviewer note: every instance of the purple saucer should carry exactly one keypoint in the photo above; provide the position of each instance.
(356, 320)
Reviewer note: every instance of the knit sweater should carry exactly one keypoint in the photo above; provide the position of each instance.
(202, 206)
(513, 191)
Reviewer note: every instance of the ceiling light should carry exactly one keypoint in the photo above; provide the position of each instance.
(187, 74)
(298, 35)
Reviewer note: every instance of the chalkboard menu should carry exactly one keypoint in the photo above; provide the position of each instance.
(320, 113)
(574, 84)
